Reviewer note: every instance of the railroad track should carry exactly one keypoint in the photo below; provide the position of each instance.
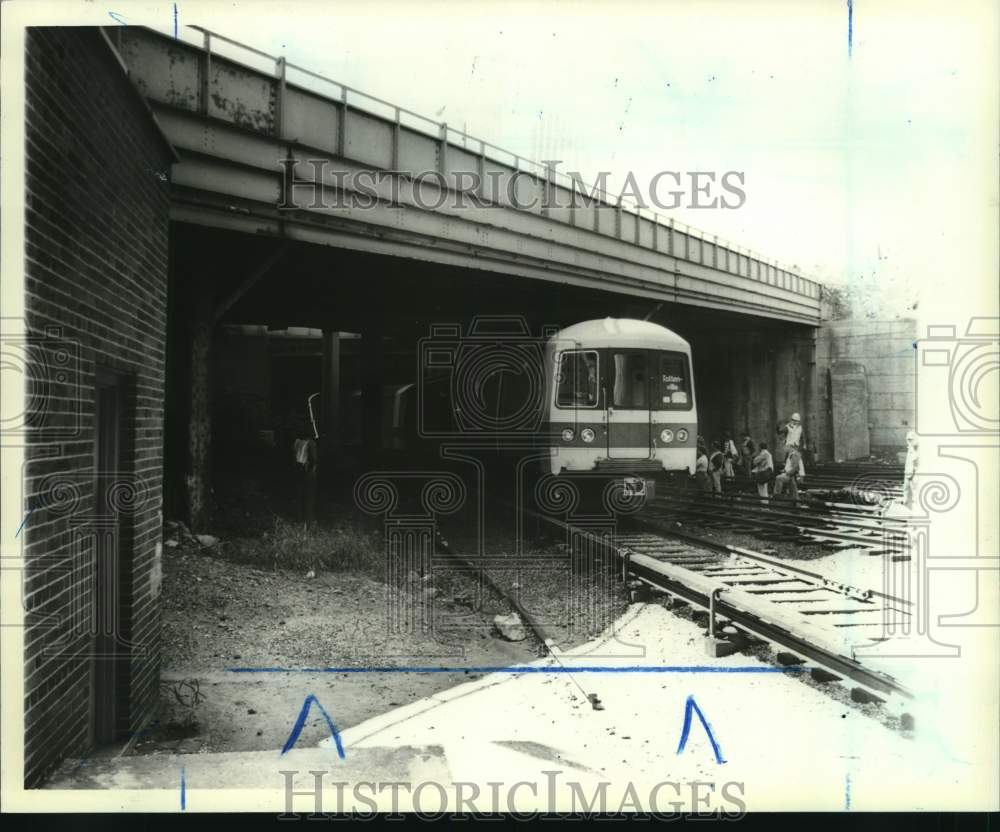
(861, 484)
(864, 483)
(830, 525)
(818, 621)
(542, 636)
(475, 567)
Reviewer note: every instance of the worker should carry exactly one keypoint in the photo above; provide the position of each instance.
(701, 479)
(910, 468)
(749, 450)
(307, 466)
(791, 436)
(793, 474)
(730, 458)
(716, 462)
(763, 469)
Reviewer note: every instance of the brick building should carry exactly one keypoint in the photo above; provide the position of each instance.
(96, 270)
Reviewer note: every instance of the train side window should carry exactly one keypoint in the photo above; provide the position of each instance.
(675, 387)
(576, 379)
(631, 379)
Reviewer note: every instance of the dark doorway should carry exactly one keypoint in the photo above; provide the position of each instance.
(111, 559)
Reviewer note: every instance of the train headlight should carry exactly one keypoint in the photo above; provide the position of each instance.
(587, 435)
(667, 435)
(568, 434)
(682, 435)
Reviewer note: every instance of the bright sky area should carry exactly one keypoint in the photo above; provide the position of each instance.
(875, 165)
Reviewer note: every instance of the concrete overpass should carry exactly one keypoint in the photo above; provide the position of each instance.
(242, 121)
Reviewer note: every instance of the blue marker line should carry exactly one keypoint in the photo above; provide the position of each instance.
(690, 706)
(183, 791)
(850, 27)
(527, 669)
(175, 20)
(114, 16)
(25, 520)
(847, 790)
(301, 721)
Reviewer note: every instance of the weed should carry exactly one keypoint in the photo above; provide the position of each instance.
(289, 545)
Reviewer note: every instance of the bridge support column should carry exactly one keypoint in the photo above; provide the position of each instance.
(330, 440)
(373, 369)
(198, 477)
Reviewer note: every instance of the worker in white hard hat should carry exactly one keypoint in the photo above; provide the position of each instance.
(910, 468)
(790, 436)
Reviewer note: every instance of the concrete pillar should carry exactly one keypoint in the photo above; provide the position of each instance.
(329, 431)
(198, 477)
(773, 353)
(373, 370)
(741, 364)
(811, 398)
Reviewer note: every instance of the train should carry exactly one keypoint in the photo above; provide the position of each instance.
(620, 397)
(611, 396)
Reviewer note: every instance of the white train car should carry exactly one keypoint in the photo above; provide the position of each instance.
(620, 397)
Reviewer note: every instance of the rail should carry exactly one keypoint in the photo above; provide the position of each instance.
(828, 525)
(723, 597)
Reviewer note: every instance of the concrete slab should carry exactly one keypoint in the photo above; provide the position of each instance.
(750, 729)
(251, 769)
(765, 723)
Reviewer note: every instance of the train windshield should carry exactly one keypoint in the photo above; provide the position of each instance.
(631, 379)
(675, 388)
(577, 379)
(649, 379)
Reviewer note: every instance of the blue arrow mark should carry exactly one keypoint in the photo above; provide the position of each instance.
(301, 721)
(692, 707)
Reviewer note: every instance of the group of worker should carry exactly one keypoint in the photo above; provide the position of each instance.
(715, 469)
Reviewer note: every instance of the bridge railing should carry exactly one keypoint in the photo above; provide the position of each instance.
(276, 66)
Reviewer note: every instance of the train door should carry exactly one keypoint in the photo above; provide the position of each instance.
(627, 397)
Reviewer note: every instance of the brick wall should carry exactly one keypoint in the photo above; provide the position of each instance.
(96, 283)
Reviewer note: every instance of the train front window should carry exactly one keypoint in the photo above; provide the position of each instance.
(674, 382)
(577, 379)
(631, 379)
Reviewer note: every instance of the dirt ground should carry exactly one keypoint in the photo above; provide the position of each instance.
(245, 646)
(252, 628)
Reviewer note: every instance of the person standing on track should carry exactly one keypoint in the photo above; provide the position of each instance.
(716, 462)
(910, 468)
(701, 478)
(794, 472)
(748, 450)
(763, 469)
(791, 436)
(730, 457)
